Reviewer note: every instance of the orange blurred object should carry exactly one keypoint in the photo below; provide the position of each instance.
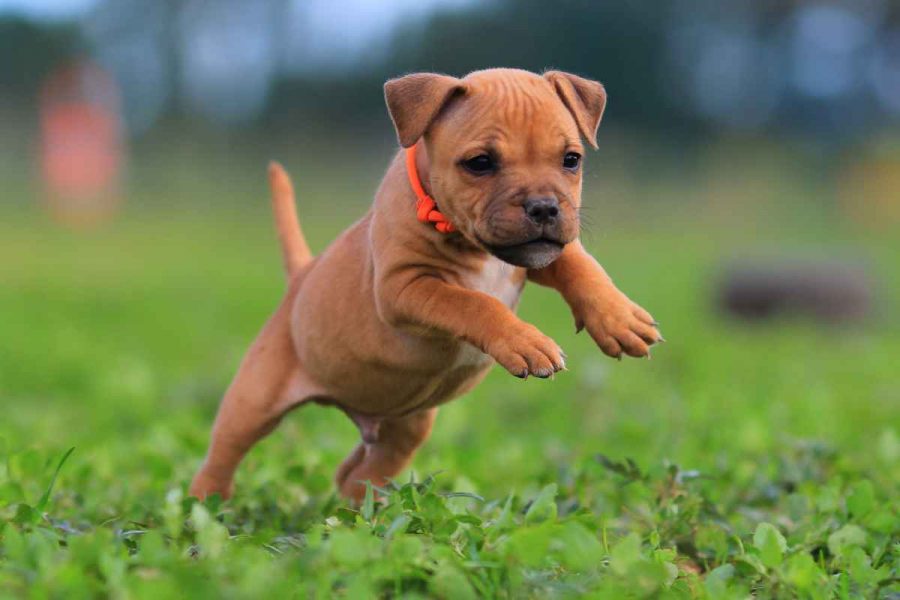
(81, 147)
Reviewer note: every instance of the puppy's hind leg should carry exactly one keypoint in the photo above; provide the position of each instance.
(377, 460)
(269, 383)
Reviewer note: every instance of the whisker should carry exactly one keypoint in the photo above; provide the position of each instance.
(587, 224)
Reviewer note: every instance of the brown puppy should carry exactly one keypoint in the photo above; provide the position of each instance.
(395, 317)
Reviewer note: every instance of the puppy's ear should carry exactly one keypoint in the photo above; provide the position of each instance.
(415, 100)
(584, 98)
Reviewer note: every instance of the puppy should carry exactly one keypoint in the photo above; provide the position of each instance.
(410, 306)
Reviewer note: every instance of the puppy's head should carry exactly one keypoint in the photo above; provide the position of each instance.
(505, 153)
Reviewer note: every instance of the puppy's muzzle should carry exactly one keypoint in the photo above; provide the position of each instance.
(542, 244)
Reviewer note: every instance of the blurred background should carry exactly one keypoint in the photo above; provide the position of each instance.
(746, 191)
(806, 86)
(97, 97)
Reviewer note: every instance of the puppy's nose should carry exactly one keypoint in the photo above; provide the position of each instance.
(542, 210)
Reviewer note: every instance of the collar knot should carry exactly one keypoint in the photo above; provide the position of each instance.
(426, 208)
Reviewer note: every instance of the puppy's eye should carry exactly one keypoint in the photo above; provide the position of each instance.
(571, 161)
(479, 165)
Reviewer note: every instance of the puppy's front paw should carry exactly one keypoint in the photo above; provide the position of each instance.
(526, 351)
(619, 326)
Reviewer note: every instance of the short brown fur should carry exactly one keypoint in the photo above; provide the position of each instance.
(395, 318)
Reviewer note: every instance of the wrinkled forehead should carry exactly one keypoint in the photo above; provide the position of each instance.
(519, 110)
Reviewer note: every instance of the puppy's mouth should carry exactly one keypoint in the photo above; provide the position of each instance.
(534, 254)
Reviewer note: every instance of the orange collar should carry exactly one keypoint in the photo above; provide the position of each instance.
(426, 208)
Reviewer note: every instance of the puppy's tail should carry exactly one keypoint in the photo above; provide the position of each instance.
(294, 249)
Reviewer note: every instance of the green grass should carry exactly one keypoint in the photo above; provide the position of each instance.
(741, 460)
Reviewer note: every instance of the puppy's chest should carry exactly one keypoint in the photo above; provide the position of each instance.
(498, 279)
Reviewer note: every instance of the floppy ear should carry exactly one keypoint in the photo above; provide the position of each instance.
(584, 98)
(415, 100)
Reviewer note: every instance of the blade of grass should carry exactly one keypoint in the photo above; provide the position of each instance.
(42, 503)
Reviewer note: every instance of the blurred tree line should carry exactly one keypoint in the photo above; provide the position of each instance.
(28, 52)
(670, 66)
(619, 43)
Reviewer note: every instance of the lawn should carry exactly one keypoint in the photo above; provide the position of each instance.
(742, 459)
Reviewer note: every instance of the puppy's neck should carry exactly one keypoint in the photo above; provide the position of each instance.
(423, 166)
(455, 241)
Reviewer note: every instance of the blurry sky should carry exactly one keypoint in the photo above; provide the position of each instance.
(46, 9)
(360, 18)
(362, 22)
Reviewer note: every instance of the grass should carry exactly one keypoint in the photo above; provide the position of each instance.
(742, 460)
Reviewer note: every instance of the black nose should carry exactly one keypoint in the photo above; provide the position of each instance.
(542, 210)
